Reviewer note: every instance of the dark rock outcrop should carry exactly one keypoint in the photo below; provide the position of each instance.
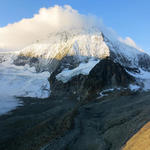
(106, 74)
(144, 61)
(23, 60)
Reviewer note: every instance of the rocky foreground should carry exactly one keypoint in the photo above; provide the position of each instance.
(60, 123)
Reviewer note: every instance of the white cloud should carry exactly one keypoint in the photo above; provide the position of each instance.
(26, 31)
(128, 41)
(20, 34)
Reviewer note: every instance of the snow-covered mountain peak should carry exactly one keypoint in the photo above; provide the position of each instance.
(79, 43)
(84, 43)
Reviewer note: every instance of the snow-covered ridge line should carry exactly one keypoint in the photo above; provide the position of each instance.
(83, 68)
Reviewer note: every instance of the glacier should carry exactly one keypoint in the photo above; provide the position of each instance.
(20, 81)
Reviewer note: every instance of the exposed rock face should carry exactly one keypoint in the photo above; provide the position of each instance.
(22, 60)
(127, 55)
(1, 59)
(144, 62)
(38, 63)
(106, 74)
(73, 86)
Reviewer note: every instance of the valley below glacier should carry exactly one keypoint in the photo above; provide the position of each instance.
(60, 122)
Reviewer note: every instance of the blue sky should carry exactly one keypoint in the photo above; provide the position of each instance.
(127, 17)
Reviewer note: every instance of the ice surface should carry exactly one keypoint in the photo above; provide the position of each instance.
(20, 81)
(106, 91)
(83, 68)
(134, 87)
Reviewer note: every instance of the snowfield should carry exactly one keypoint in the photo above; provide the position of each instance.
(20, 81)
(83, 68)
